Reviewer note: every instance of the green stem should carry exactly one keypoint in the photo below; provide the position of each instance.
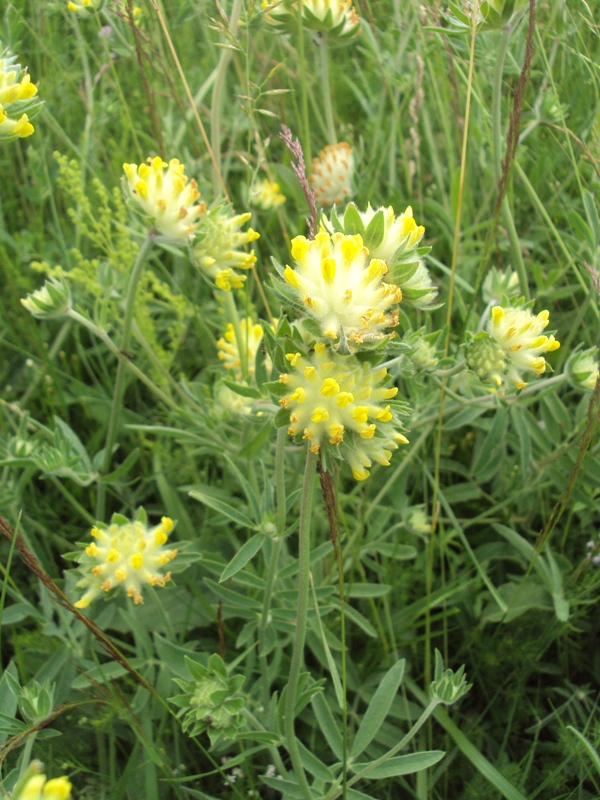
(119, 391)
(273, 560)
(302, 613)
(428, 711)
(326, 88)
(215, 111)
(27, 752)
(340, 566)
(242, 341)
(52, 353)
(507, 216)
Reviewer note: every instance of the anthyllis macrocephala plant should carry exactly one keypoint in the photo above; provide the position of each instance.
(18, 98)
(125, 553)
(266, 195)
(513, 344)
(162, 192)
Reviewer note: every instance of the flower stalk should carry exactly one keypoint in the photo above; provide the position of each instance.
(301, 618)
(115, 411)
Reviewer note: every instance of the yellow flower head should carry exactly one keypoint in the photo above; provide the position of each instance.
(219, 252)
(37, 787)
(126, 553)
(394, 239)
(519, 334)
(332, 173)
(265, 194)
(162, 191)
(339, 402)
(335, 19)
(342, 287)
(17, 94)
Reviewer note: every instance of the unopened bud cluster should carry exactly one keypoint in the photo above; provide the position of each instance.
(127, 554)
(210, 701)
(336, 20)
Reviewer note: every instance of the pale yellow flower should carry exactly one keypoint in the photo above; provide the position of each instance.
(125, 553)
(339, 402)
(520, 336)
(162, 191)
(17, 94)
(332, 173)
(228, 347)
(342, 287)
(38, 788)
(266, 194)
(219, 251)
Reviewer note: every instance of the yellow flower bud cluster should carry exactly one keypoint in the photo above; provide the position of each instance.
(162, 191)
(38, 788)
(519, 334)
(219, 251)
(266, 195)
(342, 287)
(125, 553)
(16, 96)
(331, 174)
(338, 402)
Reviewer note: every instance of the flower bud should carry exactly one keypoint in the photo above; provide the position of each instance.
(52, 300)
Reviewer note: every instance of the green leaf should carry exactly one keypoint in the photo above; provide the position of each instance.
(123, 468)
(402, 765)
(106, 672)
(243, 556)
(255, 445)
(223, 508)
(590, 749)
(242, 389)
(314, 765)
(329, 727)
(353, 221)
(367, 589)
(375, 231)
(379, 707)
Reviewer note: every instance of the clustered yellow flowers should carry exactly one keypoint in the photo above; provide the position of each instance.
(339, 402)
(266, 195)
(394, 239)
(125, 553)
(331, 174)
(162, 191)
(37, 787)
(219, 250)
(342, 287)
(17, 94)
(514, 343)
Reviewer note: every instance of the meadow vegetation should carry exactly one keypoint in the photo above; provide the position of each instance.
(299, 399)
